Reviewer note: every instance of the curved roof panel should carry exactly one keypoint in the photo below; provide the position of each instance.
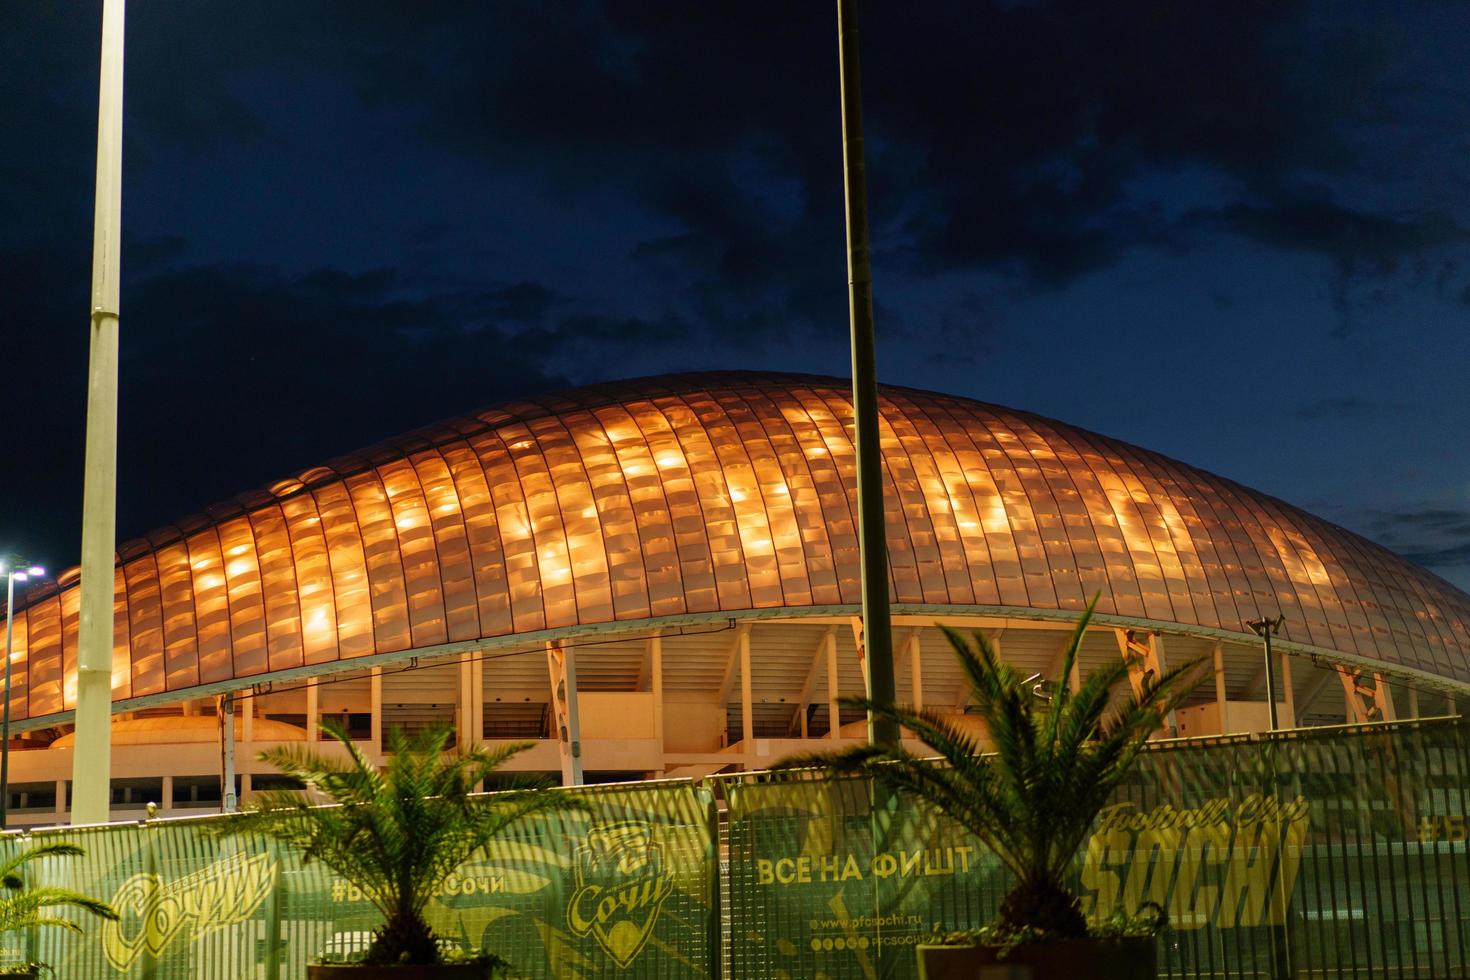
(721, 494)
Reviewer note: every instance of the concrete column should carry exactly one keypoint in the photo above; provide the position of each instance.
(916, 670)
(462, 705)
(834, 688)
(226, 711)
(375, 696)
(1222, 699)
(656, 678)
(747, 704)
(1288, 692)
(477, 699)
(562, 665)
(313, 710)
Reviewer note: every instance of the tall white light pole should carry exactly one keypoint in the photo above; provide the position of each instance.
(92, 755)
(12, 575)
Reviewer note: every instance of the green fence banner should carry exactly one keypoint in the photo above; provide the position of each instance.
(1327, 852)
(627, 891)
(1331, 852)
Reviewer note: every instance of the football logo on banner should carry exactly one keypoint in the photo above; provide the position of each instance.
(154, 912)
(621, 884)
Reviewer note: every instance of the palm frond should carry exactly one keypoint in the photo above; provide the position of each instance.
(395, 834)
(1051, 765)
(24, 907)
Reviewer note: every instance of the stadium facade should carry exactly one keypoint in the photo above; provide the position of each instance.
(661, 577)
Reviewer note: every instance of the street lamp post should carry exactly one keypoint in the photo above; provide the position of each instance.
(1280, 947)
(12, 575)
(872, 538)
(1265, 629)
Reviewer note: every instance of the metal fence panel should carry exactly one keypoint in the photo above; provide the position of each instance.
(1321, 853)
(628, 890)
(1333, 852)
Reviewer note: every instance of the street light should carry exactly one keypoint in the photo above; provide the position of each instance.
(1265, 629)
(1280, 951)
(12, 575)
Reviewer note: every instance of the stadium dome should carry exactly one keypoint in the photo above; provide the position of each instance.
(666, 503)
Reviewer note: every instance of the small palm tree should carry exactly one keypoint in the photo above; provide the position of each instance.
(1055, 763)
(396, 834)
(24, 907)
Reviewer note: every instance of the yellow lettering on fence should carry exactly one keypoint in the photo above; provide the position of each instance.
(153, 912)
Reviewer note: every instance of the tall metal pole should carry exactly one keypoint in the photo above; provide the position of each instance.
(872, 541)
(92, 755)
(5, 735)
(1280, 946)
(1265, 628)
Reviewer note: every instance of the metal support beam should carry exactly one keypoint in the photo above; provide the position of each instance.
(1365, 703)
(872, 539)
(1137, 652)
(798, 723)
(561, 662)
(1413, 702)
(732, 664)
(1144, 654)
(92, 752)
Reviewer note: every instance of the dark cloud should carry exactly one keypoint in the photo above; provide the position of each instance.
(1053, 112)
(1452, 556)
(1013, 149)
(1430, 520)
(519, 302)
(1346, 409)
(1004, 137)
(1437, 538)
(236, 374)
(1357, 242)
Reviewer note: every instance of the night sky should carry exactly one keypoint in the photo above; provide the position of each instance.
(1235, 233)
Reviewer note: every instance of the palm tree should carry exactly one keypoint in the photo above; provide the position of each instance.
(23, 907)
(1055, 763)
(396, 834)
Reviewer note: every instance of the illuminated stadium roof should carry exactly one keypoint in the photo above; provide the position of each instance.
(716, 496)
